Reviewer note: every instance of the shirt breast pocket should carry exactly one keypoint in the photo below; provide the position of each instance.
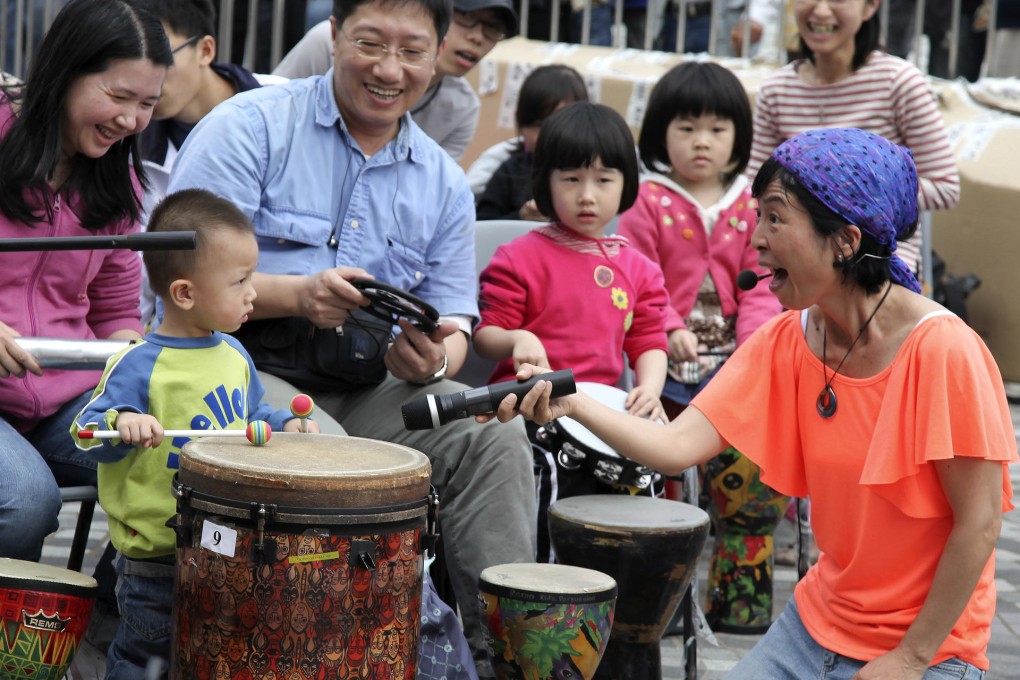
(404, 266)
(292, 243)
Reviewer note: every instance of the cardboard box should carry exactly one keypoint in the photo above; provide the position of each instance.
(620, 78)
(982, 234)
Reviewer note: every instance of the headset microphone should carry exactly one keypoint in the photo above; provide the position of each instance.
(747, 279)
(433, 410)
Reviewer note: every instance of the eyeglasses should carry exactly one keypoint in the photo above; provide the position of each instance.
(492, 30)
(408, 56)
(187, 43)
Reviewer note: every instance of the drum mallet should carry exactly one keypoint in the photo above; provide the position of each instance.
(302, 406)
(258, 433)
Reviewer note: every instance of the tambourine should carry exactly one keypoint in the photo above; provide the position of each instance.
(390, 303)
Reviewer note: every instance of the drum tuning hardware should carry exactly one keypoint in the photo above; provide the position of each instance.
(363, 554)
(430, 537)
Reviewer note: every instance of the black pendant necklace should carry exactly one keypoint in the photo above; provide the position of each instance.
(826, 402)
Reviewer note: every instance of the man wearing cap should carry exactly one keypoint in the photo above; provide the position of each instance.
(448, 111)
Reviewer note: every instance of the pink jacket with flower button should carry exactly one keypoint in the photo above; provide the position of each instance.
(80, 294)
(667, 226)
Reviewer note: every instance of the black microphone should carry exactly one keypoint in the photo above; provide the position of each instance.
(747, 279)
(433, 410)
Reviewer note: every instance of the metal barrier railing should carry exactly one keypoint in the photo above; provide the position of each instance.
(33, 16)
(656, 9)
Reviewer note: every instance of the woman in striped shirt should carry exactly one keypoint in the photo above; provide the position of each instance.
(844, 81)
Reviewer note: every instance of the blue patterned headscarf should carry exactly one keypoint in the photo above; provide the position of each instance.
(865, 179)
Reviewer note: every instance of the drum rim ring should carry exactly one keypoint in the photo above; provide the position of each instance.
(52, 587)
(276, 513)
(589, 597)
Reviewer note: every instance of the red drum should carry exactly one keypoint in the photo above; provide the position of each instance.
(302, 556)
(651, 547)
(44, 612)
(546, 620)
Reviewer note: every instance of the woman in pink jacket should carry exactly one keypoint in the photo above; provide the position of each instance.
(69, 166)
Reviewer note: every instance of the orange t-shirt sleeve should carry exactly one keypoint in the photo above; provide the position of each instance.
(950, 403)
(753, 404)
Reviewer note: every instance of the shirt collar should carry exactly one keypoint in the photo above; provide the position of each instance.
(327, 114)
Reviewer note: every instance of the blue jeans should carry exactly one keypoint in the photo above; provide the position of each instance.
(31, 468)
(788, 652)
(145, 598)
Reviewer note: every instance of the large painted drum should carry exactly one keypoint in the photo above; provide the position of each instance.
(546, 620)
(651, 547)
(44, 612)
(302, 556)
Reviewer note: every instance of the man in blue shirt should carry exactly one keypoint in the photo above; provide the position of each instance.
(339, 182)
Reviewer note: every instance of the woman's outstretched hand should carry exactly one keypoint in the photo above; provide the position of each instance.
(536, 405)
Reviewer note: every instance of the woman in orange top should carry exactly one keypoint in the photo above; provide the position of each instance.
(874, 400)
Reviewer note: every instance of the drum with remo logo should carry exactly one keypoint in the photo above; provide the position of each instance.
(546, 620)
(304, 555)
(650, 546)
(44, 612)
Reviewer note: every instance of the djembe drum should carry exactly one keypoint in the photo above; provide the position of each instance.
(302, 555)
(44, 612)
(546, 620)
(650, 547)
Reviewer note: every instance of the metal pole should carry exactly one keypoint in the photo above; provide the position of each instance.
(883, 33)
(954, 40)
(554, 23)
(681, 26)
(586, 23)
(250, 35)
(225, 39)
(525, 12)
(990, 46)
(745, 43)
(918, 32)
(3, 38)
(19, 39)
(713, 27)
(620, 34)
(276, 42)
(652, 22)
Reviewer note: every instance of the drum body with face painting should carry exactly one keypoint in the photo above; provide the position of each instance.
(303, 555)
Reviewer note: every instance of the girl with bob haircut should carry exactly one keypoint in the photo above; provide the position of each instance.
(877, 402)
(567, 295)
(69, 166)
(694, 218)
(507, 194)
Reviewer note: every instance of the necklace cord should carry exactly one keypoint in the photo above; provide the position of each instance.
(826, 398)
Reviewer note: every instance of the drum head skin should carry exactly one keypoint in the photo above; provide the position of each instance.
(637, 514)
(606, 395)
(308, 470)
(22, 574)
(547, 583)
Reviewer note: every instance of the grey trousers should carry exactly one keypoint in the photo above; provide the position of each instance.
(483, 474)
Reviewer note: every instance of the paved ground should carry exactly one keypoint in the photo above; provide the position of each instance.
(713, 661)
